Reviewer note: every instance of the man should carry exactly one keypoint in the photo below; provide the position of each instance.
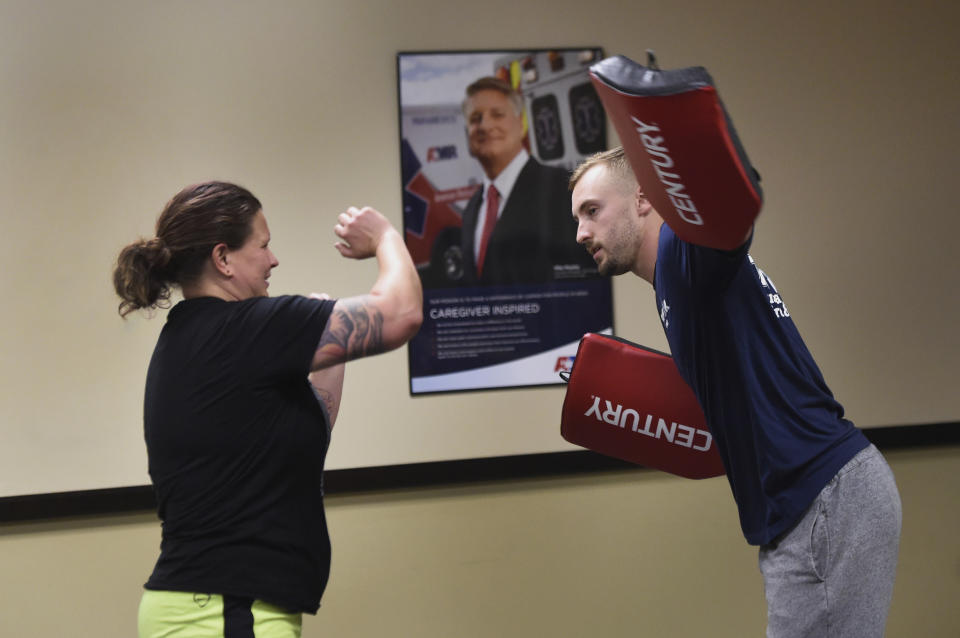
(516, 228)
(811, 491)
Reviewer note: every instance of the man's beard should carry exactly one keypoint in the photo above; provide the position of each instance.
(611, 267)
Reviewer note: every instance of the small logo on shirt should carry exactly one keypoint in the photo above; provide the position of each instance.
(664, 309)
(773, 298)
(201, 600)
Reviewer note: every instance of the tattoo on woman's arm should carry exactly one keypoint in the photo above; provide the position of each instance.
(355, 330)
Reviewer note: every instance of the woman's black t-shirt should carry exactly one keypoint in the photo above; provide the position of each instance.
(236, 442)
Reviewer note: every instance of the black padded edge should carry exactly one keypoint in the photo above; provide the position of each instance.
(631, 78)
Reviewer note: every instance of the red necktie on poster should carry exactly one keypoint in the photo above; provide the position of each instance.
(493, 207)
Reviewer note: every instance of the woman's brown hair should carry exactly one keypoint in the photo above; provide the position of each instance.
(197, 218)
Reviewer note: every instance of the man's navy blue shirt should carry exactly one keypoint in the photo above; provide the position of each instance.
(778, 428)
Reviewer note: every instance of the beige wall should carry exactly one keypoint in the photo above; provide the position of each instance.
(618, 554)
(109, 106)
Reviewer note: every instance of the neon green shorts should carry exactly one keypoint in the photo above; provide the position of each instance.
(176, 614)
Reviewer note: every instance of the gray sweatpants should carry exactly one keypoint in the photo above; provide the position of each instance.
(831, 575)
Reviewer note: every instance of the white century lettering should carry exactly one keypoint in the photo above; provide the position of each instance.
(661, 160)
(656, 427)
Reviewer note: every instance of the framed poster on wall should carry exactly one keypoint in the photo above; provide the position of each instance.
(488, 139)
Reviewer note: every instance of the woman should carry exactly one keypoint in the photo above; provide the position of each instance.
(235, 434)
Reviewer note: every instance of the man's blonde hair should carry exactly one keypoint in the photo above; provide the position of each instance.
(615, 160)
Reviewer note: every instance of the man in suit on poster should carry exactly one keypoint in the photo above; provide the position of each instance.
(517, 228)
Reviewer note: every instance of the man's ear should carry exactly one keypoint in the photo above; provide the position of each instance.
(643, 204)
(219, 255)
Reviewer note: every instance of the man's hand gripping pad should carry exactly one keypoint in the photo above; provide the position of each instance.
(629, 402)
(683, 149)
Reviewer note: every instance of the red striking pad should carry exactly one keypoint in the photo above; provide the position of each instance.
(630, 402)
(683, 149)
